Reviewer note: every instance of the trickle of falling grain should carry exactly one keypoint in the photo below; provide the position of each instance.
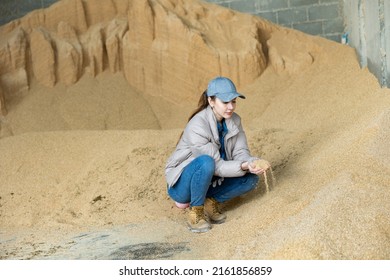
(260, 163)
(273, 181)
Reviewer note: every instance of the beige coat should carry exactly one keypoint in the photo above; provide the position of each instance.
(201, 137)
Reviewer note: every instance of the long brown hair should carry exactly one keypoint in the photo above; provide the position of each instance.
(202, 104)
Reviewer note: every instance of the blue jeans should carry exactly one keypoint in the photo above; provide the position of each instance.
(194, 184)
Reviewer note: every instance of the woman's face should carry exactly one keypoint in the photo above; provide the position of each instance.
(222, 110)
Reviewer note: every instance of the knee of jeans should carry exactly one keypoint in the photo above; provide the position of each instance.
(208, 163)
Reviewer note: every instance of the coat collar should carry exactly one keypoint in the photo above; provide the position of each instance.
(230, 124)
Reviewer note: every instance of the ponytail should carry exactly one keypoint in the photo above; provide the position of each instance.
(202, 104)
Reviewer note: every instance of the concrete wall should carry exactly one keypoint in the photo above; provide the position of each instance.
(368, 25)
(12, 9)
(315, 17)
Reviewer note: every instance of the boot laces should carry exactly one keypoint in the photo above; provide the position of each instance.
(199, 214)
(215, 206)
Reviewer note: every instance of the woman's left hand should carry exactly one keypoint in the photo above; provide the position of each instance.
(259, 166)
(255, 170)
(256, 167)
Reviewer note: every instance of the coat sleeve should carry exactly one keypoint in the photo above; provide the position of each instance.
(240, 150)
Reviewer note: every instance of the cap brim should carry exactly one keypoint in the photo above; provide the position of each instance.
(227, 97)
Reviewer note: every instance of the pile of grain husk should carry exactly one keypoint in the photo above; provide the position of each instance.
(93, 101)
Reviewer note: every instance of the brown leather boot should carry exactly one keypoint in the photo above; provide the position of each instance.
(197, 221)
(211, 207)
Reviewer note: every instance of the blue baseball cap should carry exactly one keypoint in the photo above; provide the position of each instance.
(223, 88)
